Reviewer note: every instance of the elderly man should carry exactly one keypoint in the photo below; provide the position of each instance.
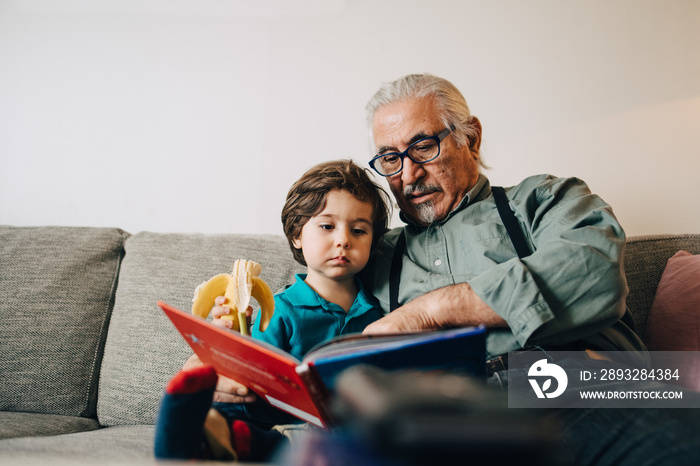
(540, 263)
(456, 264)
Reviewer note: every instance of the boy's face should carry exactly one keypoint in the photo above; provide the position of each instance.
(336, 243)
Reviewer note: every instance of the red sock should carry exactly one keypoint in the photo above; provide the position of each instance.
(253, 443)
(192, 381)
(241, 439)
(182, 413)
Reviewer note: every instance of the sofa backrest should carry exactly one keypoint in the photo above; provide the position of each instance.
(56, 291)
(143, 349)
(645, 261)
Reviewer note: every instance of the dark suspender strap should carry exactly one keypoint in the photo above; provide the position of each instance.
(518, 238)
(395, 271)
(510, 222)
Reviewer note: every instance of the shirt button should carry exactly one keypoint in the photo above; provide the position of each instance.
(437, 262)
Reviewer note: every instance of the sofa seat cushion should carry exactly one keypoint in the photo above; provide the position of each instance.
(143, 349)
(56, 290)
(13, 424)
(126, 444)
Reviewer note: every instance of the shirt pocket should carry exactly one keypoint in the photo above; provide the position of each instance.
(484, 246)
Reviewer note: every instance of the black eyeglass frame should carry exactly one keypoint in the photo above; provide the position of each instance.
(438, 138)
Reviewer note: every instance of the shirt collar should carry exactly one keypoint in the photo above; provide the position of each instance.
(302, 295)
(480, 191)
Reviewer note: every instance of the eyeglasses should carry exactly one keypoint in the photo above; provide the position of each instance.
(422, 151)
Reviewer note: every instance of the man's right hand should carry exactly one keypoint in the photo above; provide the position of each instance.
(447, 307)
(227, 390)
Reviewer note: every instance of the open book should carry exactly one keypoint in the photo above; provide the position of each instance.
(304, 388)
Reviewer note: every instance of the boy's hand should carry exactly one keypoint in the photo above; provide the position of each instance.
(222, 310)
(227, 390)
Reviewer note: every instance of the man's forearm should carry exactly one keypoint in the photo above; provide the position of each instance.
(451, 306)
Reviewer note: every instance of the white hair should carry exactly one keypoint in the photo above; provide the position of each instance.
(450, 104)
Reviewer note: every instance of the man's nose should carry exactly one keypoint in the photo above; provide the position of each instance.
(411, 171)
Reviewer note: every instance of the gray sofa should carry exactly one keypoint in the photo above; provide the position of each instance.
(86, 352)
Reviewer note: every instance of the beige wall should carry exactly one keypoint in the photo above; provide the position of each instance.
(196, 116)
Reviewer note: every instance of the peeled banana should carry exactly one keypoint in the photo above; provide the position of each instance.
(239, 286)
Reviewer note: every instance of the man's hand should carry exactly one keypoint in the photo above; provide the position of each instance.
(451, 306)
(227, 390)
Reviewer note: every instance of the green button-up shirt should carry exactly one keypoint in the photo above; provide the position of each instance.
(572, 287)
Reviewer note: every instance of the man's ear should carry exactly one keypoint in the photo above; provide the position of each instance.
(475, 141)
(296, 242)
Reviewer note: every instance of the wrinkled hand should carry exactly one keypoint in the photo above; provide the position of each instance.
(222, 310)
(451, 306)
(404, 319)
(227, 390)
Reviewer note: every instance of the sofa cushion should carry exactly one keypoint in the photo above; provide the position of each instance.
(132, 445)
(143, 349)
(56, 291)
(14, 424)
(645, 260)
(674, 319)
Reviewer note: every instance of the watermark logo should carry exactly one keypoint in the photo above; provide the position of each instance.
(613, 379)
(546, 371)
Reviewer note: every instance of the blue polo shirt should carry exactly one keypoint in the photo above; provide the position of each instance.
(302, 318)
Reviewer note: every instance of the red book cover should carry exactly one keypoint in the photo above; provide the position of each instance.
(303, 388)
(267, 370)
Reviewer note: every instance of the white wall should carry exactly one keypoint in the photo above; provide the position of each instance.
(197, 115)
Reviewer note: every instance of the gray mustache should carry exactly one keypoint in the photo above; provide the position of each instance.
(418, 189)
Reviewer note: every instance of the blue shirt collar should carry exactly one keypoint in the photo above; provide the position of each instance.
(302, 295)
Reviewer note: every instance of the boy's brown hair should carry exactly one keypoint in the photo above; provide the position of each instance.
(307, 198)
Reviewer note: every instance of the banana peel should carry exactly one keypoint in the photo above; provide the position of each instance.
(242, 284)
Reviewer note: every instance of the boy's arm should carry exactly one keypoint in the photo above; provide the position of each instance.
(227, 390)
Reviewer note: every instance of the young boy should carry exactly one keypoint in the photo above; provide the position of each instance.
(333, 217)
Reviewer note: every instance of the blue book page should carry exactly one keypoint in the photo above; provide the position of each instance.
(457, 350)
